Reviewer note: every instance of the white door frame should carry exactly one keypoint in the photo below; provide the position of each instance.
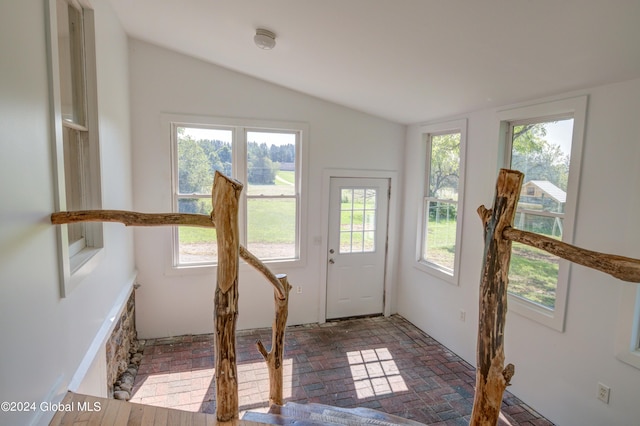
(392, 233)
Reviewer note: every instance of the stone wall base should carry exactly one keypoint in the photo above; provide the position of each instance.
(122, 345)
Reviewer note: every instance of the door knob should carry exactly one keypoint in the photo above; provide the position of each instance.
(331, 261)
(332, 251)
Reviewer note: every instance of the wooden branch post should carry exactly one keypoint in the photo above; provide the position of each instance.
(275, 357)
(225, 196)
(491, 376)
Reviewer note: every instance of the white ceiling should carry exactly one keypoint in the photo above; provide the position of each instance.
(405, 60)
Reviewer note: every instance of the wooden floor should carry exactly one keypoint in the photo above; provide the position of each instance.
(77, 410)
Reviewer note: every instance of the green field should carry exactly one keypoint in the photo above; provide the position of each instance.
(277, 217)
(533, 275)
(441, 240)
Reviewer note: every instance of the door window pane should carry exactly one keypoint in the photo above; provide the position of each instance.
(357, 220)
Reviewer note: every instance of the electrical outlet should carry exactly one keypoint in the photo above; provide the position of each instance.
(603, 393)
(299, 289)
(463, 315)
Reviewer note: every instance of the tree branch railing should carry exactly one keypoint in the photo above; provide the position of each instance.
(620, 267)
(224, 217)
(129, 218)
(492, 377)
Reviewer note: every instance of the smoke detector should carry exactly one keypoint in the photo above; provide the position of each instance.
(264, 39)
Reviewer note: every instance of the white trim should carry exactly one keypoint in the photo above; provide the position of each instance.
(56, 394)
(438, 271)
(74, 267)
(577, 106)
(100, 339)
(391, 258)
(628, 330)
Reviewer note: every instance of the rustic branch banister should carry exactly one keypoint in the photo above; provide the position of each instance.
(225, 195)
(252, 260)
(491, 376)
(623, 268)
(275, 357)
(129, 218)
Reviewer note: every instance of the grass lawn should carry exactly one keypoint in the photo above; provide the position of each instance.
(441, 239)
(276, 224)
(285, 178)
(270, 220)
(533, 275)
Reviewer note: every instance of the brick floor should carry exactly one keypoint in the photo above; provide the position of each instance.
(382, 363)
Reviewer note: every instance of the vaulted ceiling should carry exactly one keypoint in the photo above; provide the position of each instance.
(405, 60)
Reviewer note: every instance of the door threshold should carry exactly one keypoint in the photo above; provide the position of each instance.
(355, 317)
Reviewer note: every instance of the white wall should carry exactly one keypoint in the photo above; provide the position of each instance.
(166, 82)
(556, 373)
(45, 338)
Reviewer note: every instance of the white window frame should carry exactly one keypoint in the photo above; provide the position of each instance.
(240, 127)
(577, 108)
(628, 330)
(426, 131)
(78, 259)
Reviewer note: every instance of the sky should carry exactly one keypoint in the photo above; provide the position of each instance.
(560, 133)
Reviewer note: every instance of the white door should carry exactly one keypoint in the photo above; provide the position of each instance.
(358, 210)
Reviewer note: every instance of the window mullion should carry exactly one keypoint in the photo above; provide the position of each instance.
(240, 163)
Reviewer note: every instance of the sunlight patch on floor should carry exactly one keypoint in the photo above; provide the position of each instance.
(375, 373)
(253, 382)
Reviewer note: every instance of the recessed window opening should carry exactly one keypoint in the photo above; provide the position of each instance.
(76, 141)
(541, 149)
(438, 247)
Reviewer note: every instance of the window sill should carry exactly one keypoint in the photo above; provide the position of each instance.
(276, 266)
(437, 271)
(538, 313)
(80, 266)
(78, 260)
(631, 357)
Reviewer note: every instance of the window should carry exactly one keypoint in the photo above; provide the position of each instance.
(272, 194)
(266, 160)
(77, 162)
(439, 244)
(544, 142)
(628, 330)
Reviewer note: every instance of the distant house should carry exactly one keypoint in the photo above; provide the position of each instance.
(543, 195)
